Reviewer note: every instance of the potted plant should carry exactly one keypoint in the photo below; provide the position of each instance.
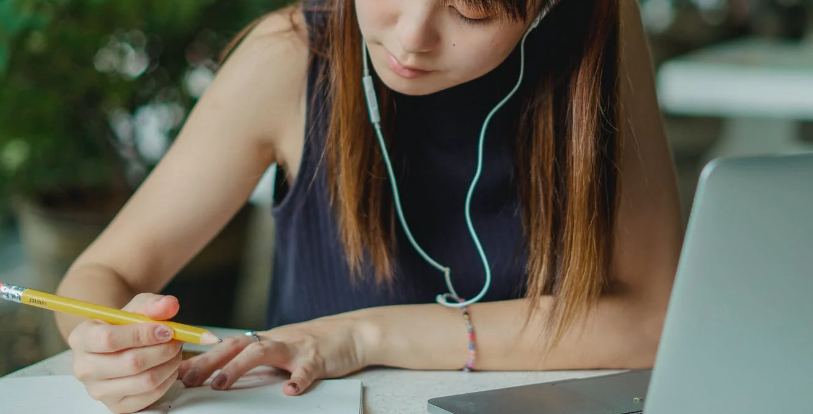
(92, 92)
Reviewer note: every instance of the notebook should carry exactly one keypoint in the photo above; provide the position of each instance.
(259, 391)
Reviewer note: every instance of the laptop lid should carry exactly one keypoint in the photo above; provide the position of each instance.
(738, 336)
(621, 393)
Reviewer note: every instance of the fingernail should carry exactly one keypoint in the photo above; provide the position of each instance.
(163, 333)
(219, 381)
(294, 386)
(191, 378)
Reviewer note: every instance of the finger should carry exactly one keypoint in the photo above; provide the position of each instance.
(273, 353)
(196, 370)
(134, 403)
(100, 337)
(144, 382)
(79, 335)
(95, 367)
(302, 377)
(157, 307)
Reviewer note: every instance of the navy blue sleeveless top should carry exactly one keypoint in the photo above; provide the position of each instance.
(434, 154)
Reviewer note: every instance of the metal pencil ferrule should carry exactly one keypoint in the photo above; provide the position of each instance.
(11, 293)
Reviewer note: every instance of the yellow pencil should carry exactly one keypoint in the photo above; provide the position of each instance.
(185, 333)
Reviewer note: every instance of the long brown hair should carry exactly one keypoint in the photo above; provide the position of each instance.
(567, 153)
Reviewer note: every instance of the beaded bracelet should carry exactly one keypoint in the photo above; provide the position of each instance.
(470, 329)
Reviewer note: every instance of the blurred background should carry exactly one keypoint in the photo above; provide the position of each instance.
(92, 93)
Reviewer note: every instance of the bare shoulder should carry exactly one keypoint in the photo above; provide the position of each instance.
(263, 81)
(281, 34)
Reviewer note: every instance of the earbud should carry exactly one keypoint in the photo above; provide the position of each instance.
(538, 19)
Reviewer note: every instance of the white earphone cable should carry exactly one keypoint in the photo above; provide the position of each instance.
(375, 117)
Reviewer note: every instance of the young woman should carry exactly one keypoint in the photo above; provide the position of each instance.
(499, 163)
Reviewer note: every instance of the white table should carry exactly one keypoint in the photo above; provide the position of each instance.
(763, 88)
(386, 391)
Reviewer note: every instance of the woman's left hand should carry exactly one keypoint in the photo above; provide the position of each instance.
(328, 347)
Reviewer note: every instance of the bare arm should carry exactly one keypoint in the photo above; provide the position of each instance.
(624, 329)
(229, 140)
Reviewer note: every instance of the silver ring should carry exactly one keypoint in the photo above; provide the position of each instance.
(253, 334)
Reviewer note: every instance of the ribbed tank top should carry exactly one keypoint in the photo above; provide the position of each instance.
(434, 154)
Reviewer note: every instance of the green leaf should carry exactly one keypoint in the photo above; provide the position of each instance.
(55, 99)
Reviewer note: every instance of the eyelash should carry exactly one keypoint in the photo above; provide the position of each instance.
(473, 22)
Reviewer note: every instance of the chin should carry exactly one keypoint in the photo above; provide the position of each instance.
(412, 87)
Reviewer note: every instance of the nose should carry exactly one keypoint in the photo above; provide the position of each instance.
(416, 30)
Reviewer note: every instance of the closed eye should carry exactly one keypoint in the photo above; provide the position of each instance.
(469, 19)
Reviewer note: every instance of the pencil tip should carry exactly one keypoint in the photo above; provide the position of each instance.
(209, 339)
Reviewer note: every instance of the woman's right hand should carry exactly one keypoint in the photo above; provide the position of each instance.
(128, 367)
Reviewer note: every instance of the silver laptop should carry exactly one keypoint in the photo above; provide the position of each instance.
(738, 336)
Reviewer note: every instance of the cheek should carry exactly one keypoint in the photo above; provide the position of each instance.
(374, 15)
(470, 63)
(471, 58)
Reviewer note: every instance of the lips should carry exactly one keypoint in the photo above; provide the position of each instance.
(404, 71)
